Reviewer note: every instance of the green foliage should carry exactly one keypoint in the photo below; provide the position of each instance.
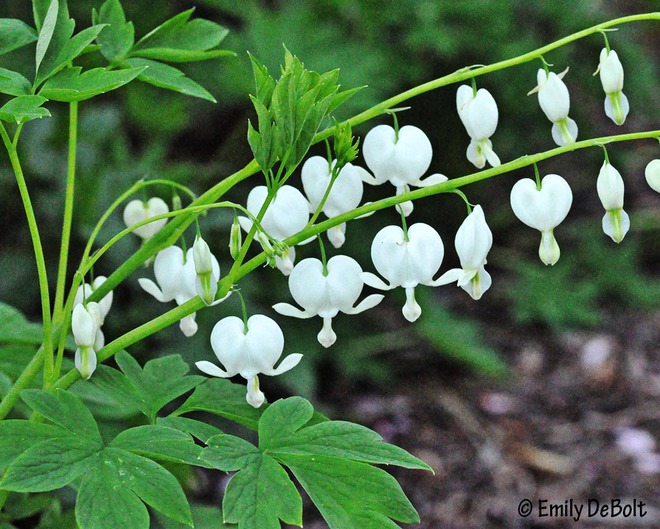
(15, 34)
(22, 109)
(13, 83)
(330, 459)
(15, 329)
(145, 388)
(170, 78)
(117, 39)
(74, 85)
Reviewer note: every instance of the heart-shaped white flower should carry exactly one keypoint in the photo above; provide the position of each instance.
(473, 242)
(326, 293)
(543, 209)
(611, 77)
(287, 214)
(406, 262)
(652, 174)
(248, 349)
(555, 103)
(479, 116)
(137, 211)
(610, 187)
(85, 290)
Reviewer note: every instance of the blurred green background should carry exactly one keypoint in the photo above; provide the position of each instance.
(142, 132)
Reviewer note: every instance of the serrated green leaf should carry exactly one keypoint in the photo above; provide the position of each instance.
(118, 387)
(221, 397)
(228, 452)
(70, 49)
(16, 436)
(105, 502)
(13, 83)
(47, 31)
(164, 76)
(66, 410)
(72, 85)
(15, 34)
(160, 381)
(263, 81)
(121, 470)
(159, 442)
(22, 109)
(117, 38)
(180, 33)
(350, 494)
(198, 429)
(176, 55)
(50, 465)
(281, 432)
(260, 495)
(14, 327)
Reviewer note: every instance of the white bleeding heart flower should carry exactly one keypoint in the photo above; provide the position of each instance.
(402, 159)
(287, 214)
(208, 271)
(177, 279)
(248, 349)
(325, 293)
(137, 211)
(85, 290)
(473, 242)
(652, 174)
(345, 194)
(479, 115)
(610, 187)
(406, 262)
(555, 103)
(611, 77)
(543, 209)
(86, 326)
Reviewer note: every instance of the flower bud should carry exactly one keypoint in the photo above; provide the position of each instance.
(610, 191)
(235, 239)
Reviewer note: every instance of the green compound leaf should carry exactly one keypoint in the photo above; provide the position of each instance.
(70, 49)
(13, 83)
(14, 327)
(117, 39)
(352, 495)
(47, 31)
(170, 78)
(155, 389)
(50, 465)
(111, 495)
(65, 410)
(15, 34)
(74, 85)
(260, 495)
(182, 40)
(222, 397)
(280, 434)
(228, 452)
(161, 443)
(24, 108)
(197, 429)
(17, 436)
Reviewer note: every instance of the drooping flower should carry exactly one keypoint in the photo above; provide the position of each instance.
(406, 261)
(327, 292)
(248, 349)
(177, 278)
(85, 326)
(85, 290)
(555, 103)
(137, 211)
(610, 187)
(345, 194)
(473, 242)
(206, 283)
(400, 157)
(611, 77)
(287, 214)
(543, 209)
(652, 174)
(479, 115)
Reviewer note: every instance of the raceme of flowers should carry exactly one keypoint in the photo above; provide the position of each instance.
(405, 256)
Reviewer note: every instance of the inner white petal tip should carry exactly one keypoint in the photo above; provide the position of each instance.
(327, 336)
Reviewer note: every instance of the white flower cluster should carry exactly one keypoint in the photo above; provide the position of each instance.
(405, 256)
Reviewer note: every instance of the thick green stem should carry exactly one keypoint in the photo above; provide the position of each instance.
(38, 249)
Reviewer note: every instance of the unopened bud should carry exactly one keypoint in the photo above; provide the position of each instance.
(235, 239)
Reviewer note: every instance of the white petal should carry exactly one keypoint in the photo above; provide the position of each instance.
(411, 310)
(549, 249)
(211, 369)
(151, 288)
(617, 107)
(564, 132)
(367, 303)
(85, 362)
(610, 187)
(450, 276)
(553, 97)
(542, 209)
(431, 180)
(289, 310)
(254, 397)
(374, 281)
(336, 235)
(616, 224)
(327, 336)
(188, 325)
(287, 364)
(652, 174)
(478, 284)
